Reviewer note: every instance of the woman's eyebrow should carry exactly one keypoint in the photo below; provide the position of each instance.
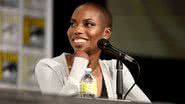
(73, 20)
(88, 19)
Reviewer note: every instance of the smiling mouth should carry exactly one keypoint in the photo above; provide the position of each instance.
(80, 40)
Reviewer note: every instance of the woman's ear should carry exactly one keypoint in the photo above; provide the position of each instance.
(107, 33)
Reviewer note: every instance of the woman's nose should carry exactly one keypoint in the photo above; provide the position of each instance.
(78, 30)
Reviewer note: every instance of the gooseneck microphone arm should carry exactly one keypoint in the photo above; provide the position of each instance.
(121, 57)
(105, 46)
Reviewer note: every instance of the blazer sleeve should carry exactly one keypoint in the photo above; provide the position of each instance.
(50, 82)
(136, 94)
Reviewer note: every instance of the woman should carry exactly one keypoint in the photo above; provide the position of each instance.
(61, 75)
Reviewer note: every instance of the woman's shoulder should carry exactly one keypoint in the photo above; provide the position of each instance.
(109, 62)
(51, 62)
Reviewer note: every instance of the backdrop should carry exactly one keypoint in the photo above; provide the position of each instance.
(151, 31)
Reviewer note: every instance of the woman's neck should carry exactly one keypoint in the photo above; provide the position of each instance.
(93, 62)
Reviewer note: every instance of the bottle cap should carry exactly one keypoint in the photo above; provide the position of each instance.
(88, 69)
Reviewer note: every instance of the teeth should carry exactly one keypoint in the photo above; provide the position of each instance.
(79, 40)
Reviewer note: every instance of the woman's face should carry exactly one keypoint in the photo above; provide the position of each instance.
(86, 28)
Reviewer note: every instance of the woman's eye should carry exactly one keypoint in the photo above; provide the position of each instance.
(89, 24)
(72, 24)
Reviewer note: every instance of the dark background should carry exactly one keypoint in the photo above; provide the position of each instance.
(161, 78)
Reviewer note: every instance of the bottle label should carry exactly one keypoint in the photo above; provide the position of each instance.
(88, 88)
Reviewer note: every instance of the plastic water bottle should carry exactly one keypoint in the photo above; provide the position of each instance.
(88, 85)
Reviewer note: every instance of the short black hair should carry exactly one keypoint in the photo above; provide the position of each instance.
(106, 13)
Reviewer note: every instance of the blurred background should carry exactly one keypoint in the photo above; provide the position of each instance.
(151, 31)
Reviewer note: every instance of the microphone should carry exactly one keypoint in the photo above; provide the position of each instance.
(106, 46)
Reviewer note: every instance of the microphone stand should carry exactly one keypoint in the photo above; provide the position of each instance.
(119, 80)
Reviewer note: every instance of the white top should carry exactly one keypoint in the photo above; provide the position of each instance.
(53, 77)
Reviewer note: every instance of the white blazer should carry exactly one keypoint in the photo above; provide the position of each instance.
(53, 77)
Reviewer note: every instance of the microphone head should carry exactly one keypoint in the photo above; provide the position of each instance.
(103, 43)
